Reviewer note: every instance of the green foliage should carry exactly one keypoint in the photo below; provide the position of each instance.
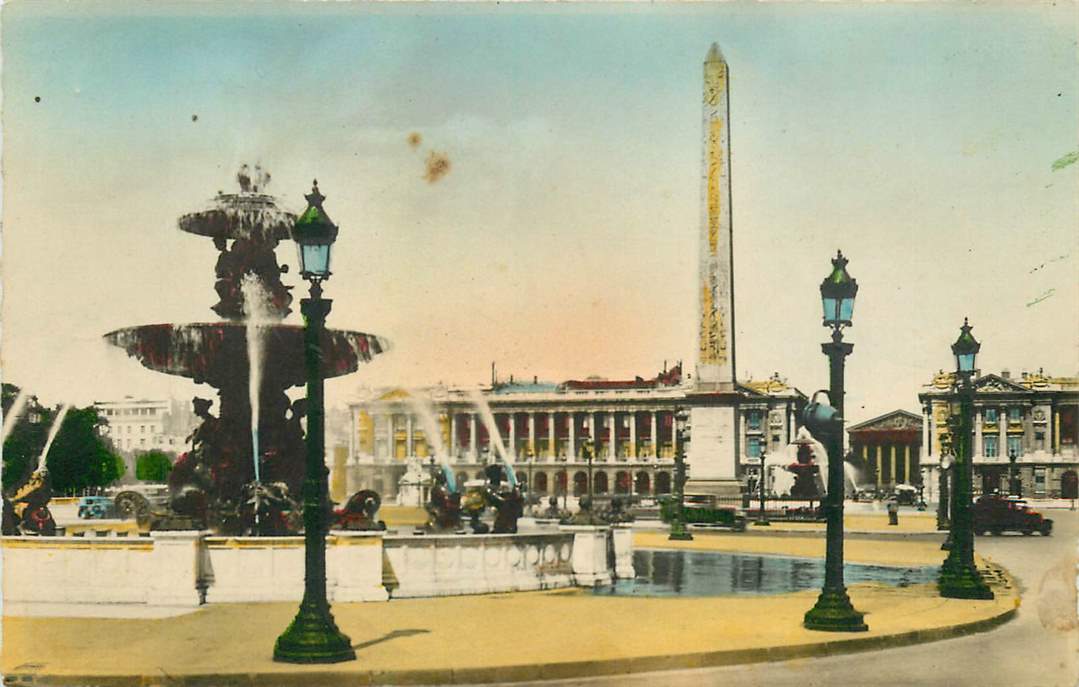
(153, 466)
(79, 457)
(26, 440)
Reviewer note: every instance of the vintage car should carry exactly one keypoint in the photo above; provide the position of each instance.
(703, 510)
(96, 507)
(996, 514)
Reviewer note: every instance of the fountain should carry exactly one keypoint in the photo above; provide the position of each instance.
(237, 448)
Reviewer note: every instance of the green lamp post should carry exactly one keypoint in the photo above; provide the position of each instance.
(679, 530)
(313, 637)
(959, 577)
(833, 611)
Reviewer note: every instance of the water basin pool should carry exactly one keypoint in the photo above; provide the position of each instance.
(708, 573)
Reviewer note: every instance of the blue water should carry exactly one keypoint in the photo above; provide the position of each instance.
(706, 573)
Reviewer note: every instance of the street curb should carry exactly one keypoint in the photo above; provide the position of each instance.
(847, 534)
(519, 673)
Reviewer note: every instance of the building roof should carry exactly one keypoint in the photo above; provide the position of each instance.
(889, 422)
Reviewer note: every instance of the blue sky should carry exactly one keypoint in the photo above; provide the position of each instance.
(917, 137)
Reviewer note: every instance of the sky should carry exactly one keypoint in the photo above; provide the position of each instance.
(561, 242)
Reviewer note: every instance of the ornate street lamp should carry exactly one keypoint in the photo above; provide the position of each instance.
(959, 577)
(762, 518)
(313, 637)
(833, 611)
(679, 531)
(1015, 485)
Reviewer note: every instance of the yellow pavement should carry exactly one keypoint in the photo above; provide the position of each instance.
(502, 637)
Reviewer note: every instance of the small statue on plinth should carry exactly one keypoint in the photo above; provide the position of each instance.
(444, 506)
(360, 512)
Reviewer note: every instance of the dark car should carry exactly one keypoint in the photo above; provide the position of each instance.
(997, 514)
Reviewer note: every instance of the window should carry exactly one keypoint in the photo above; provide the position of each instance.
(754, 419)
(990, 447)
(991, 415)
(753, 447)
(1015, 414)
(1039, 480)
(1039, 441)
(1015, 445)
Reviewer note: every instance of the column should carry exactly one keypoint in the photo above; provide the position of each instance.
(978, 451)
(880, 465)
(927, 433)
(552, 448)
(792, 422)
(1055, 433)
(453, 447)
(655, 437)
(410, 439)
(743, 437)
(674, 435)
(353, 433)
(593, 433)
(613, 434)
(906, 463)
(891, 452)
(512, 448)
(532, 433)
(391, 433)
(632, 440)
(473, 438)
(571, 419)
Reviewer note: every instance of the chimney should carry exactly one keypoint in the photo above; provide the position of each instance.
(1006, 374)
(535, 379)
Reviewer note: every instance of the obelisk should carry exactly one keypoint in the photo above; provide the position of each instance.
(713, 397)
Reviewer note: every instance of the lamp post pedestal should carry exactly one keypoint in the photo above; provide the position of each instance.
(313, 637)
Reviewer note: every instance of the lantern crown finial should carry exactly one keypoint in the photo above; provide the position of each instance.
(315, 198)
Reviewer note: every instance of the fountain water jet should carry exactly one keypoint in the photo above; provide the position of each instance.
(492, 431)
(53, 431)
(13, 412)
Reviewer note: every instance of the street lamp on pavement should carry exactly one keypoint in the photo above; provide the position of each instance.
(679, 531)
(762, 518)
(959, 577)
(313, 637)
(833, 611)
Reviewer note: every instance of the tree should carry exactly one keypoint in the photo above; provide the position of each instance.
(79, 457)
(153, 466)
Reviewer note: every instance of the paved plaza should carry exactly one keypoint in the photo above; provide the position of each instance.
(509, 637)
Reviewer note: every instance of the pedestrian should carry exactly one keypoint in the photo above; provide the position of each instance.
(893, 511)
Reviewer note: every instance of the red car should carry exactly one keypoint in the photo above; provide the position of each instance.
(997, 514)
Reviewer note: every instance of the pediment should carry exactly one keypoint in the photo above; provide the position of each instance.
(996, 384)
(895, 420)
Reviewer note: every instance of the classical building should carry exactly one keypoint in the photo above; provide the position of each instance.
(1033, 418)
(546, 431)
(887, 450)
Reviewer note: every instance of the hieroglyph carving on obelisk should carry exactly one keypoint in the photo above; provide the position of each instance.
(715, 357)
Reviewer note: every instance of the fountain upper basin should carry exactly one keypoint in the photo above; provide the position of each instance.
(207, 352)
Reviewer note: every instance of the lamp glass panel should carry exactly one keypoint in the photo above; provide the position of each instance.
(830, 307)
(315, 259)
(846, 309)
(965, 362)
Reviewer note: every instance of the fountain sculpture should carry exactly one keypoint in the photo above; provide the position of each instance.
(214, 482)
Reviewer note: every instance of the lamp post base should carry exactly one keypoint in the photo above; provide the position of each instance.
(834, 613)
(313, 637)
(962, 582)
(679, 532)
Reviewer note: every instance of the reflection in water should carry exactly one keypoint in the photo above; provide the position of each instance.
(706, 573)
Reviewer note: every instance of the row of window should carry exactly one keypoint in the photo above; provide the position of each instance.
(130, 411)
(1015, 414)
(991, 444)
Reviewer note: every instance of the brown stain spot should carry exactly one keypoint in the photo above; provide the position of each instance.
(438, 166)
(1057, 597)
(414, 139)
